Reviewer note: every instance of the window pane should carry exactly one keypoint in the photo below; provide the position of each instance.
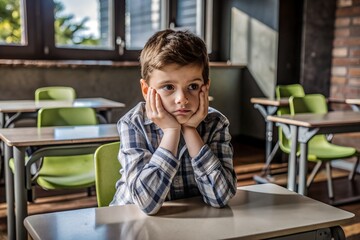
(83, 24)
(190, 16)
(11, 22)
(142, 19)
(186, 15)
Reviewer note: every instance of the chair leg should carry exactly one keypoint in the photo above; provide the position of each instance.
(353, 171)
(329, 180)
(313, 173)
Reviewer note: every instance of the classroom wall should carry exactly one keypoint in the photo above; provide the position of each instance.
(115, 83)
(250, 37)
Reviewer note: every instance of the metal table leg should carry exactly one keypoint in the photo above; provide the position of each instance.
(20, 192)
(292, 159)
(9, 187)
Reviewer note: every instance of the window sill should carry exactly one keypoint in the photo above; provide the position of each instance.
(87, 64)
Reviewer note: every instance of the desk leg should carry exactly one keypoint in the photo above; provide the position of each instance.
(303, 168)
(9, 187)
(269, 138)
(292, 159)
(266, 111)
(305, 134)
(20, 192)
(2, 120)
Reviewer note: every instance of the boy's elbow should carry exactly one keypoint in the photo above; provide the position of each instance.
(218, 205)
(222, 201)
(150, 211)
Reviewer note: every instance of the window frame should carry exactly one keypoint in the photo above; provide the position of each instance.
(38, 16)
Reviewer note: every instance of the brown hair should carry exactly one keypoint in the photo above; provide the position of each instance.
(174, 47)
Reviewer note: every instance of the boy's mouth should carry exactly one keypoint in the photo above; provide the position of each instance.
(182, 112)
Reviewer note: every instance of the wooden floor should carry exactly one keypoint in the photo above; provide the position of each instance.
(248, 161)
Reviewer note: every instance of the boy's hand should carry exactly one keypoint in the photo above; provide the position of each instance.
(157, 113)
(202, 111)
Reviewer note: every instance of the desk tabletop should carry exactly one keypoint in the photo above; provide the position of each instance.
(283, 102)
(329, 119)
(256, 212)
(32, 105)
(32, 136)
(270, 101)
(354, 101)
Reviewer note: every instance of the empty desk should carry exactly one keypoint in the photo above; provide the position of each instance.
(13, 110)
(74, 138)
(300, 128)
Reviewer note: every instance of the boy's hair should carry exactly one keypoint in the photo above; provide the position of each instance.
(174, 47)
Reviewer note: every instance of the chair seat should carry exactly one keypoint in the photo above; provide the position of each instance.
(67, 182)
(67, 165)
(65, 172)
(321, 149)
(329, 152)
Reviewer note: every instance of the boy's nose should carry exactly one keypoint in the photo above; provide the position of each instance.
(181, 98)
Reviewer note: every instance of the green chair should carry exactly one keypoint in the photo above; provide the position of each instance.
(320, 150)
(44, 93)
(56, 168)
(70, 171)
(286, 91)
(107, 167)
(55, 93)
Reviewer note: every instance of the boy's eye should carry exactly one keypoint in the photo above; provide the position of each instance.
(168, 87)
(194, 86)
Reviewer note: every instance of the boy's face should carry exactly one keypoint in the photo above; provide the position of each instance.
(178, 87)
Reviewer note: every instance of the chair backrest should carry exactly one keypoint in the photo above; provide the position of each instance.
(286, 91)
(55, 93)
(66, 116)
(311, 103)
(107, 167)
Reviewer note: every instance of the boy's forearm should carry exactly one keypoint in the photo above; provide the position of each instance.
(193, 140)
(170, 140)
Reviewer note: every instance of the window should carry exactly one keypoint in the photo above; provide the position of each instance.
(15, 33)
(76, 28)
(11, 23)
(93, 29)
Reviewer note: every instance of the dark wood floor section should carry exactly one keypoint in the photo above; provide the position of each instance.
(248, 161)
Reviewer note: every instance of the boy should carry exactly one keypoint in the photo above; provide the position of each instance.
(174, 145)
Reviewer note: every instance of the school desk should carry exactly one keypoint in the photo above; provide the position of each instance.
(264, 211)
(74, 139)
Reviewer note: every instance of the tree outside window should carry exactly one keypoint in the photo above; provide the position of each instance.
(10, 22)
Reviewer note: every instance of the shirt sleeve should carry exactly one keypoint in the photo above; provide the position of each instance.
(148, 172)
(213, 167)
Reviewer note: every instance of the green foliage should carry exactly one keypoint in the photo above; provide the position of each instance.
(67, 30)
(70, 32)
(10, 22)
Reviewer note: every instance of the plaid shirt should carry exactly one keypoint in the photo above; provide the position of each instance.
(152, 175)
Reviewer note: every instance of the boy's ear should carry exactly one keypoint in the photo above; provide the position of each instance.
(144, 88)
(208, 84)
